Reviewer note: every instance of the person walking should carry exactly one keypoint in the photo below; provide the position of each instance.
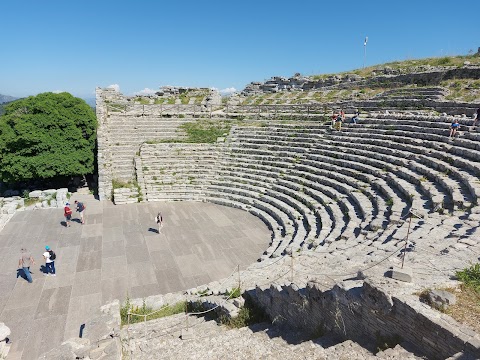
(50, 257)
(26, 260)
(67, 212)
(159, 221)
(81, 209)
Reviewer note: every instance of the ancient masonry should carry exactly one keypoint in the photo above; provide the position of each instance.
(123, 126)
(342, 197)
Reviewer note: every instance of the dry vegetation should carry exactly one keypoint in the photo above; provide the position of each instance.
(467, 308)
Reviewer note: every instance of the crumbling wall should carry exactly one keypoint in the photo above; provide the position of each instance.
(362, 311)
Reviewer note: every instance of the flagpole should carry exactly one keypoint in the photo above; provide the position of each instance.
(365, 51)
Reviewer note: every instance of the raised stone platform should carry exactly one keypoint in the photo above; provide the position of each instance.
(117, 253)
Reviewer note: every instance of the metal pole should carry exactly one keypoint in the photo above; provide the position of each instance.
(291, 268)
(186, 314)
(365, 51)
(406, 240)
(145, 322)
(364, 54)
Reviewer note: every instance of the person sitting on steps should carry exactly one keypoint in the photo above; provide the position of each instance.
(454, 128)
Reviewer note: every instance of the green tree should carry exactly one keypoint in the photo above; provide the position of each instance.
(46, 136)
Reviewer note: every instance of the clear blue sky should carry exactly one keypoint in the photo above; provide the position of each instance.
(74, 46)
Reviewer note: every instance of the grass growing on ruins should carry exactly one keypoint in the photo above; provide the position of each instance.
(152, 314)
(470, 277)
(206, 131)
(248, 315)
(467, 308)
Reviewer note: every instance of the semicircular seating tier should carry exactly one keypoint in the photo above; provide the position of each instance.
(323, 190)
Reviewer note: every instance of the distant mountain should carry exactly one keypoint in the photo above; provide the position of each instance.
(91, 102)
(6, 98)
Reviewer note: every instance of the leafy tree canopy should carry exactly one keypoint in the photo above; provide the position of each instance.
(46, 136)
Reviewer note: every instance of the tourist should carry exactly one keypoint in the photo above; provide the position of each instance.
(334, 120)
(355, 117)
(26, 260)
(338, 122)
(67, 212)
(159, 221)
(81, 209)
(50, 257)
(453, 128)
(476, 117)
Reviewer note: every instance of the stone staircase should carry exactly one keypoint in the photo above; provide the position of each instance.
(209, 340)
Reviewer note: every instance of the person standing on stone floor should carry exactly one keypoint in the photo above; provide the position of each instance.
(81, 209)
(26, 260)
(159, 221)
(49, 257)
(67, 212)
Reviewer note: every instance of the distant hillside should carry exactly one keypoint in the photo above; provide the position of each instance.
(6, 98)
(90, 101)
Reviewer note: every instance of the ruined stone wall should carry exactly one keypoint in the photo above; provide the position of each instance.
(122, 129)
(103, 155)
(364, 312)
(389, 78)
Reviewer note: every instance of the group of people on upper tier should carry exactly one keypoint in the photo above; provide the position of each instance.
(339, 118)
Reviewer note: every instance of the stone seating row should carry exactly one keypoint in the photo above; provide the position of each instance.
(315, 217)
(421, 135)
(282, 165)
(174, 169)
(462, 169)
(315, 191)
(456, 182)
(456, 174)
(270, 160)
(406, 170)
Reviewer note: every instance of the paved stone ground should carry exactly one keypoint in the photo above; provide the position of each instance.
(117, 252)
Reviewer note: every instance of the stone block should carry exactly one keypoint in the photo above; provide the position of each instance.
(4, 331)
(397, 273)
(35, 194)
(187, 334)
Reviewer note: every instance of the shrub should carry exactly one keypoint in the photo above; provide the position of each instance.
(470, 276)
(248, 315)
(47, 136)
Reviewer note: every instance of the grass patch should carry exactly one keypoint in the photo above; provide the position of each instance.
(467, 308)
(234, 293)
(31, 201)
(168, 310)
(117, 184)
(471, 277)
